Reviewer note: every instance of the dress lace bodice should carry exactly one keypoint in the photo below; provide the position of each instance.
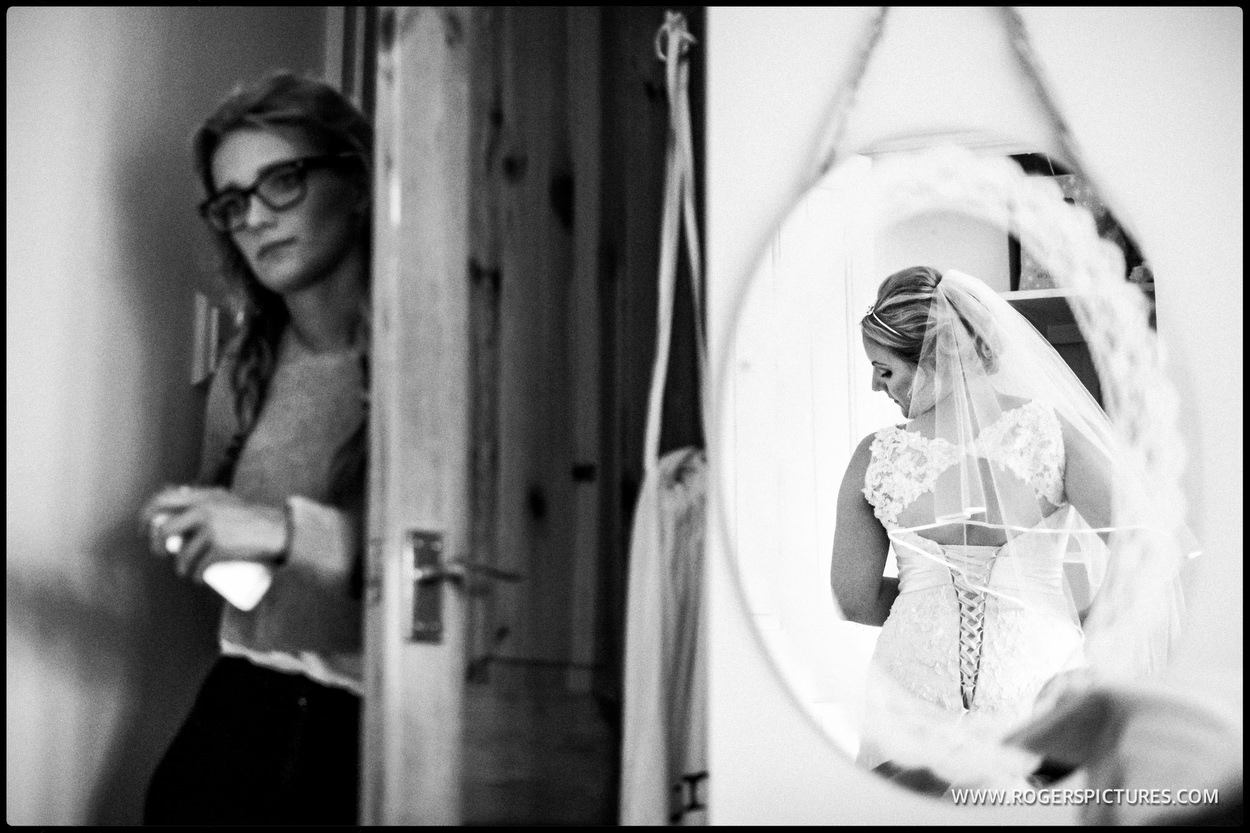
(975, 631)
(905, 465)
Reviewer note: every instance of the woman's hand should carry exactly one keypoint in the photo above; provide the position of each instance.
(200, 526)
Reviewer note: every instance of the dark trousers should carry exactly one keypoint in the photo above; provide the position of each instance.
(261, 747)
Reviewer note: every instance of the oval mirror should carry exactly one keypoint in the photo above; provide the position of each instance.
(796, 399)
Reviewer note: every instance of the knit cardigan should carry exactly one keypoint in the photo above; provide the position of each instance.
(310, 619)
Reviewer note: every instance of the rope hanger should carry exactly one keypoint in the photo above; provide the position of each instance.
(673, 43)
(1022, 49)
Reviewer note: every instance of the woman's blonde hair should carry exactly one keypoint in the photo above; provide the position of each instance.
(902, 314)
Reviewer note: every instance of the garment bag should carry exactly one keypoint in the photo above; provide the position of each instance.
(664, 745)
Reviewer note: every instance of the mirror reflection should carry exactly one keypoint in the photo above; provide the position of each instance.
(924, 477)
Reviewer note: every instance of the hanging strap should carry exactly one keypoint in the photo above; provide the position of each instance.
(844, 98)
(1022, 48)
(672, 44)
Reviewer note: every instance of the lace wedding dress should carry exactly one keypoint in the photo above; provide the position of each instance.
(976, 631)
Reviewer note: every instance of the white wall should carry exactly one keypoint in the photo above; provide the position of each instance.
(104, 647)
(1154, 96)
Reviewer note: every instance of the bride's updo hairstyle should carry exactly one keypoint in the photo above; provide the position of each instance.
(900, 318)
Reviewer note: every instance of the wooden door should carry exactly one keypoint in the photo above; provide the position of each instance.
(519, 186)
(485, 423)
(538, 750)
(420, 417)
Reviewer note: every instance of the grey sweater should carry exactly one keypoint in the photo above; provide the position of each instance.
(308, 620)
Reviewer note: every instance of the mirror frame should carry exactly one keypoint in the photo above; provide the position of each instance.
(912, 177)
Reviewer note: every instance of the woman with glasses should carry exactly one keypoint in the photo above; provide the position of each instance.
(273, 735)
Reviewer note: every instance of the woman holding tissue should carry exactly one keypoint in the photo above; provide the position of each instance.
(273, 735)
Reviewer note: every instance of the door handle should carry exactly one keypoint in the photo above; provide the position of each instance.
(459, 571)
(430, 572)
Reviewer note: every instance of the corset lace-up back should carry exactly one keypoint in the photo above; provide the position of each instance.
(975, 630)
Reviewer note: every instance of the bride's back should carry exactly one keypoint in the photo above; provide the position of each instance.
(1020, 453)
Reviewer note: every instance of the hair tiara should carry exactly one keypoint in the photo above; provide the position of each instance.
(872, 312)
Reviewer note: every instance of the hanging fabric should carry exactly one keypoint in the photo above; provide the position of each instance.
(664, 744)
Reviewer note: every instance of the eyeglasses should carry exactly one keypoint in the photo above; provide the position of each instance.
(279, 186)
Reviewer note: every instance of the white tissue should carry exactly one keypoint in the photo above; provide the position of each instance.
(242, 583)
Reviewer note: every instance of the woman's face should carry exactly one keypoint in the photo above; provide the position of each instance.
(293, 248)
(891, 373)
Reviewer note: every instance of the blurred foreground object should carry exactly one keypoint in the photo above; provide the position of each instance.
(1146, 738)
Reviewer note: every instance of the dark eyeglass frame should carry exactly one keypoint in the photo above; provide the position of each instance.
(300, 167)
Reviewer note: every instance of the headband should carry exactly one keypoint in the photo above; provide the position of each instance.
(872, 312)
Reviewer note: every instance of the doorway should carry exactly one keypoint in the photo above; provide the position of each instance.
(514, 334)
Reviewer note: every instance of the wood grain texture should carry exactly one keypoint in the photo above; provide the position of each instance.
(421, 410)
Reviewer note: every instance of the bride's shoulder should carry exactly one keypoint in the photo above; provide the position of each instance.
(861, 459)
(864, 449)
(871, 445)
(883, 446)
(884, 435)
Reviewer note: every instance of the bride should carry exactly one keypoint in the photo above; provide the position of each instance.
(996, 497)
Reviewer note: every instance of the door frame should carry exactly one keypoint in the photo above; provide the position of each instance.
(420, 419)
